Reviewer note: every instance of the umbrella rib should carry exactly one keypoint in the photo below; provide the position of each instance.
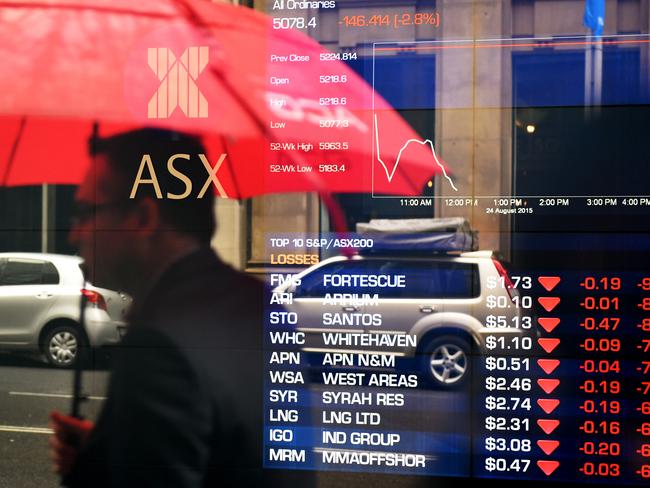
(14, 150)
(232, 170)
(242, 102)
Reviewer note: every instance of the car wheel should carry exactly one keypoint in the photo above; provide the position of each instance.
(445, 362)
(62, 346)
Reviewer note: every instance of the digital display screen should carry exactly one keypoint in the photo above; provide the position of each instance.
(493, 320)
(445, 203)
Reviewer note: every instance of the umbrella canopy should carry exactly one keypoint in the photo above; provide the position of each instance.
(288, 115)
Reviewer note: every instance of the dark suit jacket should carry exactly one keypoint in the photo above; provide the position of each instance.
(184, 405)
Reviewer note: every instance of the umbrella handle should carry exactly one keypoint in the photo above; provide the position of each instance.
(14, 150)
(77, 397)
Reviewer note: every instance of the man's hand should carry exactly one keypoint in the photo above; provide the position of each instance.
(70, 434)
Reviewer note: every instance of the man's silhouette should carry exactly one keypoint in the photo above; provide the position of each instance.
(184, 399)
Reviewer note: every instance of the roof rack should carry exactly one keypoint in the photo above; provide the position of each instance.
(419, 236)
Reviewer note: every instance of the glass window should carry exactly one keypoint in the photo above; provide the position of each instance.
(286, 215)
(422, 278)
(313, 284)
(50, 274)
(433, 279)
(28, 272)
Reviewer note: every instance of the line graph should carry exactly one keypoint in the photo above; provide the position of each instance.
(390, 174)
(404, 74)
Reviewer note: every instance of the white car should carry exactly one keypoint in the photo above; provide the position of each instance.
(436, 308)
(40, 298)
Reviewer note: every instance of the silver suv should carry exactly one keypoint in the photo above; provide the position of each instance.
(39, 307)
(434, 309)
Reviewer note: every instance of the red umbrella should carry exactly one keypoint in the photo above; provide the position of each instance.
(288, 117)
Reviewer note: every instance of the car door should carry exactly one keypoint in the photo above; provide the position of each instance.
(324, 309)
(460, 285)
(414, 297)
(28, 288)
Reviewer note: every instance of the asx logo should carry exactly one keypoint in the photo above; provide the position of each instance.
(177, 78)
(146, 164)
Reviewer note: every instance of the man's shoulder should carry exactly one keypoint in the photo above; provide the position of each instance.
(201, 279)
(205, 301)
(214, 285)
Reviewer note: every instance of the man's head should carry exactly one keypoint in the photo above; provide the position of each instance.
(123, 235)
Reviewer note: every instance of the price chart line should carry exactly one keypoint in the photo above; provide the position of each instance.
(509, 42)
(391, 174)
(500, 43)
